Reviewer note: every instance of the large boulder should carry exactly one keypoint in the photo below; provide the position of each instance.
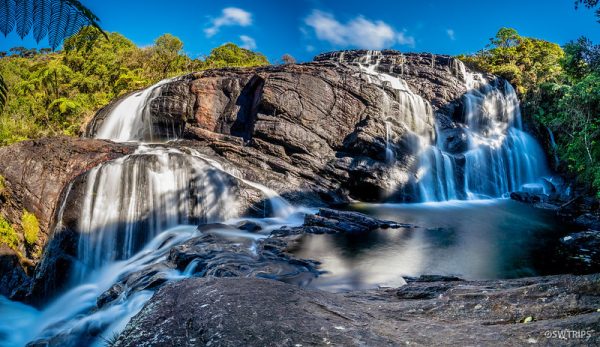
(256, 312)
(317, 133)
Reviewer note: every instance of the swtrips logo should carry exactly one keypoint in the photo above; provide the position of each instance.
(567, 334)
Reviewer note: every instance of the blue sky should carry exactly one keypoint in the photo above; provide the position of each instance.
(303, 28)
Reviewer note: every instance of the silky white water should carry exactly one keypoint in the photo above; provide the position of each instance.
(131, 119)
(130, 200)
(500, 157)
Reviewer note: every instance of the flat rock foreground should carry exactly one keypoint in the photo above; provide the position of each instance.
(427, 311)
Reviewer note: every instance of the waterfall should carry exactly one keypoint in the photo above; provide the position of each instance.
(500, 157)
(130, 200)
(131, 119)
(554, 148)
(389, 152)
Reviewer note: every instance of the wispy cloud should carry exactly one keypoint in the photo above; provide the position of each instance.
(404, 39)
(248, 42)
(451, 34)
(357, 32)
(229, 16)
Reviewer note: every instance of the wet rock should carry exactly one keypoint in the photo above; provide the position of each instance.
(588, 221)
(110, 295)
(249, 226)
(12, 275)
(217, 255)
(527, 197)
(581, 251)
(455, 140)
(328, 221)
(360, 219)
(216, 312)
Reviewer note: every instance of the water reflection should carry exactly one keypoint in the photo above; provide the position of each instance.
(470, 239)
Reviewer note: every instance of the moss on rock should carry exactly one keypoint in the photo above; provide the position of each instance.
(31, 227)
(8, 234)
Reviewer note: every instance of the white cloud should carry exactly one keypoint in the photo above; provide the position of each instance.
(404, 39)
(229, 16)
(451, 34)
(248, 42)
(358, 32)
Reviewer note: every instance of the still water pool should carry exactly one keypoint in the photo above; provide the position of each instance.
(485, 239)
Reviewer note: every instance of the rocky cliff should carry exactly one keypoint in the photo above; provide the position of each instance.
(316, 132)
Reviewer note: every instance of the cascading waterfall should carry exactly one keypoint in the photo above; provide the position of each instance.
(500, 158)
(130, 200)
(134, 210)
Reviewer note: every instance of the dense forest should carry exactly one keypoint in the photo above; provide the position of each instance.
(51, 93)
(560, 92)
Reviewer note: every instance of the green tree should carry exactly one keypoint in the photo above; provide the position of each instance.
(232, 55)
(166, 56)
(525, 62)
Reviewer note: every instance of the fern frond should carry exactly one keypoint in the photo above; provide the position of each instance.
(7, 16)
(24, 17)
(55, 19)
(41, 19)
(58, 21)
(91, 18)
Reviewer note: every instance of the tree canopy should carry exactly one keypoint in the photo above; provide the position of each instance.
(525, 62)
(230, 54)
(51, 93)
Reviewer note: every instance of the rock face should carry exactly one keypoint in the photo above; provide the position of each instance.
(256, 312)
(316, 132)
(12, 275)
(35, 174)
